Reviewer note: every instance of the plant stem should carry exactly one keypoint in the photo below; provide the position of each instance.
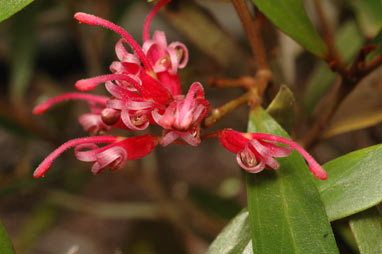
(246, 81)
(333, 58)
(220, 112)
(253, 30)
(349, 82)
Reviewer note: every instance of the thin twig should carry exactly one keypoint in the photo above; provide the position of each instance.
(348, 83)
(219, 113)
(246, 81)
(333, 58)
(253, 30)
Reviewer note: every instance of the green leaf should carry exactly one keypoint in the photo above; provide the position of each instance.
(5, 244)
(348, 41)
(353, 184)
(10, 7)
(235, 238)
(367, 230)
(286, 212)
(282, 108)
(291, 18)
(23, 54)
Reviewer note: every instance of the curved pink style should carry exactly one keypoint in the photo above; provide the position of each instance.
(91, 83)
(93, 20)
(150, 16)
(44, 106)
(47, 162)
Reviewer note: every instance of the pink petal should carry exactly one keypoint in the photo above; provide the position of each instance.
(173, 54)
(167, 119)
(160, 38)
(93, 122)
(185, 57)
(170, 137)
(277, 151)
(116, 155)
(190, 137)
(255, 169)
(87, 156)
(139, 105)
(195, 89)
(126, 118)
(262, 150)
(120, 92)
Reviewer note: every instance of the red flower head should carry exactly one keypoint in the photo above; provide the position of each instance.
(253, 153)
(144, 80)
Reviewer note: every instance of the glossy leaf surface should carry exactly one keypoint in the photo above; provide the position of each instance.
(354, 182)
(286, 212)
(367, 230)
(291, 18)
(235, 238)
(10, 7)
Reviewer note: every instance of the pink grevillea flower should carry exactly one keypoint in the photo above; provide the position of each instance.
(256, 151)
(141, 88)
(114, 155)
(183, 116)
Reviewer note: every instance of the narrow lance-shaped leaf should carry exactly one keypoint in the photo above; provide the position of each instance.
(23, 52)
(286, 212)
(367, 230)
(5, 244)
(291, 18)
(10, 7)
(353, 184)
(235, 238)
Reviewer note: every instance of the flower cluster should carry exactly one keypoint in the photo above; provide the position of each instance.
(145, 89)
